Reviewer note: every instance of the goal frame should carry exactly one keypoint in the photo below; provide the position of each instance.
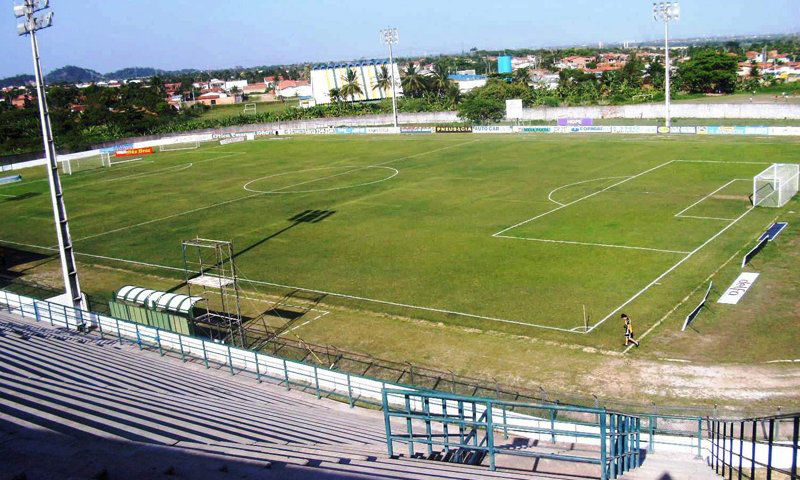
(181, 145)
(784, 179)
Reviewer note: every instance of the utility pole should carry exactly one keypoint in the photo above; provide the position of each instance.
(666, 12)
(390, 36)
(30, 26)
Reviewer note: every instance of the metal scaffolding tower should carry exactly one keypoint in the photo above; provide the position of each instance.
(210, 269)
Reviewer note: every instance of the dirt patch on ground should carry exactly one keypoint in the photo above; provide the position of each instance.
(743, 198)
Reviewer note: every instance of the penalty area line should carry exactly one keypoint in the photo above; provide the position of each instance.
(687, 297)
(589, 244)
(670, 270)
(324, 292)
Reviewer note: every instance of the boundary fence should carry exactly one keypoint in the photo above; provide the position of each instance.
(465, 427)
(755, 448)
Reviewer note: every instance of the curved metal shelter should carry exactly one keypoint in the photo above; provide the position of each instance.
(154, 299)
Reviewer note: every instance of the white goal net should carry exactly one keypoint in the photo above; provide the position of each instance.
(187, 144)
(75, 165)
(776, 185)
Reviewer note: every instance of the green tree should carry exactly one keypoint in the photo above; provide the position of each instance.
(522, 76)
(383, 81)
(412, 82)
(709, 71)
(350, 87)
(440, 80)
(335, 94)
(479, 109)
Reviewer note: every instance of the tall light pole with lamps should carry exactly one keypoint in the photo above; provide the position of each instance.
(390, 36)
(666, 12)
(30, 25)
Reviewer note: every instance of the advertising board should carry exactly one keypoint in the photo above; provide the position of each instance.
(493, 129)
(784, 131)
(416, 130)
(534, 129)
(635, 130)
(589, 129)
(134, 152)
(116, 148)
(226, 141)
(454, 129)
(350, 130)
(575, 122)
(683, 130)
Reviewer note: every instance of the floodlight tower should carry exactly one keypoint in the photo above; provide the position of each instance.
(30, 25)
(666, 12)
(390, 36)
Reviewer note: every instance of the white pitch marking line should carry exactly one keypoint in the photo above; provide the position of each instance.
(724, 161)
(226, 202)
(589, 244)
(4, 195)
(671, 269)
(679, 214)
(708, 218)
(582, 198)
(550, 195)
(687, 297)
(333, 294)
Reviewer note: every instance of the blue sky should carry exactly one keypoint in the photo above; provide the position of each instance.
(111, 34)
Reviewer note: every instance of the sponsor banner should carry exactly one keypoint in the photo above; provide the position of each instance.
(250, 136)
(534, 129)
(781, 131)
(702, 130)
(725, 130)
(227, 141)
(493, 129)
(382, 130)
(663, 129)
(117, 148)
(134, 152)
(575, 122)
(350, 130)
(635, 130)
(454, 129)
(266, 133)
(739, 287)
(414, 130)
(764, 131)
(588, 129)
(683, 130)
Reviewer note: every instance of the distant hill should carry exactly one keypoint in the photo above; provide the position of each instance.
(133, 72)
(73, 74)
(16, 81)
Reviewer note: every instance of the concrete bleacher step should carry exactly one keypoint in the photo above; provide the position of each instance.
(274, 419)
(161, 412)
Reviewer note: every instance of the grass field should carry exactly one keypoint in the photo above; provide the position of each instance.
(223, 111)
(508, 234)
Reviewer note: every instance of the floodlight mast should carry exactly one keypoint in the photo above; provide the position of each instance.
(30, 26)
(390, 36)
(666, 12)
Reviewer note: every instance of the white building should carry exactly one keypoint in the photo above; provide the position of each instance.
(238, 84)
(329, 76)
(468, 82)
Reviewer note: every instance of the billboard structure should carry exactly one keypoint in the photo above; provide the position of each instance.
(326, 77)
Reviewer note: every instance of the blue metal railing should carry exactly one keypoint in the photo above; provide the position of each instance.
(464, 425)
(764, 447)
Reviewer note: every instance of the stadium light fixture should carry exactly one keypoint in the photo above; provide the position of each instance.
(667, 12)
(390, 36)
(30, 26)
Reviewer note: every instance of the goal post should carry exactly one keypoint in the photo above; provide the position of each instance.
(776, 185)
(74, 165)
(188, 143)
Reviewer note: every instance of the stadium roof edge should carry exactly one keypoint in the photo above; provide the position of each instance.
(359, 63)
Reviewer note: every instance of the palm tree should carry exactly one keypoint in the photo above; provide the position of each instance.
(383, 81)
(412, 81)
(350, 87)
(335, 94)
(440, 81)
(522, 75)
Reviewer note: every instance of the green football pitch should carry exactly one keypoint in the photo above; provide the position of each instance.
(550, 236)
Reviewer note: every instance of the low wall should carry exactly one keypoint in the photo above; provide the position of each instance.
(678, 110)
